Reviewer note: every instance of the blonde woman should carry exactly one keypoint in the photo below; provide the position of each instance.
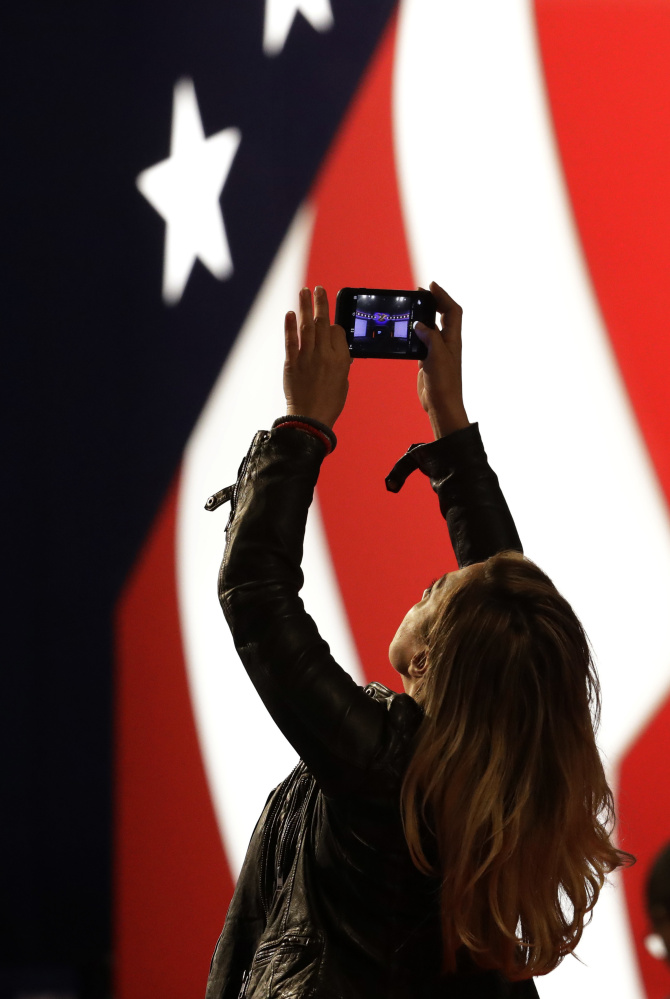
(448, 841)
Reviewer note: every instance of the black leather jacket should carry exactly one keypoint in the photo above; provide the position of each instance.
(328, 903)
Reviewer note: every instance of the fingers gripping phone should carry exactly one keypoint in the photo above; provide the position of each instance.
(379, 322)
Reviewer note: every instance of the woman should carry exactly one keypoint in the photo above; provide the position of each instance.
(448, 841)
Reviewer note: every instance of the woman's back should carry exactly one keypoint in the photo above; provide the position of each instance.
(345, 912)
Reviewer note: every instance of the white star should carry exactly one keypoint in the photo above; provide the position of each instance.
(280, 14)
(185, 190)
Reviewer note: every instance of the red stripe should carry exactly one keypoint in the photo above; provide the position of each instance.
(172, 883)
(606, 68)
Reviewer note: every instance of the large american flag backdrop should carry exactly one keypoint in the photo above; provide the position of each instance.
(518, 152)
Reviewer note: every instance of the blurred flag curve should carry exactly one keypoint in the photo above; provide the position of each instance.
(518, 154)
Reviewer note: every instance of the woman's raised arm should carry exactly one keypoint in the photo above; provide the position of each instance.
(439, 383)
(471, 501)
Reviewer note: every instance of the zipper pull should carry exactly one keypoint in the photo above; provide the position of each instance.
(243, 987)
(228, 494)
(279, 884)
(218, 499)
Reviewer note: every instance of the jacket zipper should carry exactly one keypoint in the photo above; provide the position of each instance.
(279, 877)
(286, 834)
(233, 502)
(243, 986)
(264, 859)
(267, 831)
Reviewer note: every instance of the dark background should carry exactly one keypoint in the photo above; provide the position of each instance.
(102, 383)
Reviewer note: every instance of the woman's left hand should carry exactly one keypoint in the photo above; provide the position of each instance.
(316, 369)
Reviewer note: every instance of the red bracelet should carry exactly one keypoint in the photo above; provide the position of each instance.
(310, 430)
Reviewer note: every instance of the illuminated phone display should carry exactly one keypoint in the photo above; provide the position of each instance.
(379, 322)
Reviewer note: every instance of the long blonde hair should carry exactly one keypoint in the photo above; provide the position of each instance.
(506, 781)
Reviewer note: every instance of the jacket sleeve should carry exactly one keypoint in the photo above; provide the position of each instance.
(471, 501)
(342, 734)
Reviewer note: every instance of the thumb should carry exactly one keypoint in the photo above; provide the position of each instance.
(424, 333)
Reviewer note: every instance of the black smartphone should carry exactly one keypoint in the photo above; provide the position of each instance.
(379, 322)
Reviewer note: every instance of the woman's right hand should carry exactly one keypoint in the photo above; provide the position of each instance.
(439, 384)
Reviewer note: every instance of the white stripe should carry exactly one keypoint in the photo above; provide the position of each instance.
(487, 215)
(244, 753)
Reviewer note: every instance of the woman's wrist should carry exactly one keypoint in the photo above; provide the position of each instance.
(445, 422)
(322, 418)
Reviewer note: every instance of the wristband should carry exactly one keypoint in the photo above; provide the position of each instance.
(314, 427)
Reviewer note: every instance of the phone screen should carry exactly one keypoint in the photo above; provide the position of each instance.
(379, 322)
(383, 319)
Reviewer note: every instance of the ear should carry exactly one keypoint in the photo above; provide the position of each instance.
(418, 663)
